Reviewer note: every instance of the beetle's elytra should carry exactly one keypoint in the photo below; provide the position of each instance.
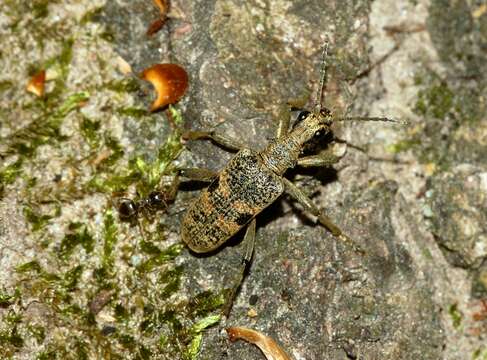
(243, 189)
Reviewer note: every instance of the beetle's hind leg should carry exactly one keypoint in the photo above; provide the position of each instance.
(308, 205)
(249, 242)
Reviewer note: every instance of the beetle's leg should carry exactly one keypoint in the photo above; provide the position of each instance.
(306, 202)
(283, 124)
(171, 192)
(198, 174)
(220, 139)
(325, 158)
(249, 241)
(284, 114)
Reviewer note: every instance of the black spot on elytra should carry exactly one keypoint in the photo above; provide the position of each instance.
(243, 218)
(214, 185)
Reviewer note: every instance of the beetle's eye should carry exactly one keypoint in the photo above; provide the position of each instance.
(302, 115)
(318, 134)
(325, 112)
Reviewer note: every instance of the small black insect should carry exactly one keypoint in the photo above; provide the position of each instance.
(158, 200)
(129, 209)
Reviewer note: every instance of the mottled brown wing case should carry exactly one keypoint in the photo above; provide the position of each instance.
(242, 190)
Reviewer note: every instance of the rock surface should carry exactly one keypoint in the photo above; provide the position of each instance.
(79, 283)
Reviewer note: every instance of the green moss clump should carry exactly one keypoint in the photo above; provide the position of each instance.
(37, 220)
(77, 235)
(160, 258)
(435, 101)
(133, 112)
(456, 315)
(125, 85)
(89, 130)
(10, 172)
(5, 85)
(109, 240)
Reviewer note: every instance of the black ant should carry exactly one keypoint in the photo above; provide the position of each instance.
(130, 210)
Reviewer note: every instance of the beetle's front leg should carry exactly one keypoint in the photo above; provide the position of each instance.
(222, 140)
(308, 205)
(198, 174)
(284, 115)
(324, 159)
(249, 242)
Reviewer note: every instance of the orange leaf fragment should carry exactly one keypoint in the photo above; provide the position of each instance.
(163, 6)
(36, 83)
(170, 82)
(269, 347)
(155, 26)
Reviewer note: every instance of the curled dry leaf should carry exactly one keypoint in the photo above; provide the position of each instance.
(36, 83)
(269, 347)
(163, 6)
(155, 26)
(170, 82)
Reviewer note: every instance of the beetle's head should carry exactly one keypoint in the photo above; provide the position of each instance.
(318, 121)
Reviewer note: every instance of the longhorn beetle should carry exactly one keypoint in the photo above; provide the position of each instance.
(252, 181)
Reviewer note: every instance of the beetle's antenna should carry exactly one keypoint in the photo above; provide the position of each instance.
(362, 118)
(319, 93)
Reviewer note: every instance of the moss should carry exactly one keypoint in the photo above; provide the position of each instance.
(196, 332)
(169, 325)
(109, 239)
(480, 354)
(113, 183)
(165, 157)
(435, 101)
(164, 256)
(38, 332)
(77, 235)
(10, 172)
(444, 106)
(456, 315)
(132, 112)
(45, 128)
(89, 130)
(91, 15)
(40, 8)
(115, 147)
(56, 280)
(204, 303)
(172, 280)
(37, 220)
(5, 85)
(146, 175)
(7, 299)
(29, 266)
(126, 85)
(403, 145)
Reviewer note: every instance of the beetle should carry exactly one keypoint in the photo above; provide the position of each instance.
(253, 180)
